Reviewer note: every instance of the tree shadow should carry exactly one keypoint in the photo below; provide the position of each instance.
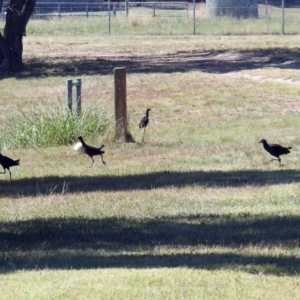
(63, 243)
(38, 186)
(212, 61)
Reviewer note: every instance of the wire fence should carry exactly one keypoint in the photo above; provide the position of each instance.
(213, 17)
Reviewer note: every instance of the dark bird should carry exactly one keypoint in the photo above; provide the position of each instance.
(144, 122)
(7, 162)
(91, 151)
(275, 150)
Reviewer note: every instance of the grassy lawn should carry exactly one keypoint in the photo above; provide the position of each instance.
(168, 21)
(194, 213)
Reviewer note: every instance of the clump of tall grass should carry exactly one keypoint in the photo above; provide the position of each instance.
(52, 125)
(136, 19)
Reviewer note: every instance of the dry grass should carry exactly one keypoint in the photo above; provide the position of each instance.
(135, 19)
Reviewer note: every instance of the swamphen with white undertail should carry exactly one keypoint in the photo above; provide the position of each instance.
(91, 151)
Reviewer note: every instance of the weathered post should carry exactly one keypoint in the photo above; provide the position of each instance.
(78, 97)
(69, 99)
(194, 17)
(154, 6)
(58, 10)
(282, 17)
(109, 15)
(127, 7)
(120, 103)
(69, 94)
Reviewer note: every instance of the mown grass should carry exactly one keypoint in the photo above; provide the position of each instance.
(149, 284)
(193, 213)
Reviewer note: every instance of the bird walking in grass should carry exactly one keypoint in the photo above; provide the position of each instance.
(275, 150)
(144, 122)
(7, 162)
(91, 151)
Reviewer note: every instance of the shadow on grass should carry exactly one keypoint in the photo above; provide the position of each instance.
(63, 243)
(164, 179)
(213, 61)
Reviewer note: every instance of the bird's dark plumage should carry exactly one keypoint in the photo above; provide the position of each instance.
(275, 150)
(145, 119)
(144, 122)
(91, 151)
(7, 162)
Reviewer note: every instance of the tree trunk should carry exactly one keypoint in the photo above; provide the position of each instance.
(11, 44)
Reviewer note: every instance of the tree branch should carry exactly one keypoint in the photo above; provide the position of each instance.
(26, 12)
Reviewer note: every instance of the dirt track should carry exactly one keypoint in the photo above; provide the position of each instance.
(280, 65)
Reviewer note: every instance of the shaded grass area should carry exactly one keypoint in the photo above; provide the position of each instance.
(178, 61)
(128, 233)
(163, 179)
(77, 242)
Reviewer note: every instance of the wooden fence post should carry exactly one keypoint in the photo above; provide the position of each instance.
(78, 97)
(120, 103)
(69, 94)
(69, 99)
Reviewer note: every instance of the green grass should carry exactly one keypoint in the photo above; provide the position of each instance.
(52, 125)
(169, 22)
(193, 213)
(148, 284)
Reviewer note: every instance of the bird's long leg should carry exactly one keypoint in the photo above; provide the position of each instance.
(143, 135)
(103, 160)
(9, 174)
(278, 159)
(3, 172)
(269, 161)
(92, 161)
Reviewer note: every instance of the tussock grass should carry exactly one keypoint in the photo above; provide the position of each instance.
(139, 20)
(52, 125)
